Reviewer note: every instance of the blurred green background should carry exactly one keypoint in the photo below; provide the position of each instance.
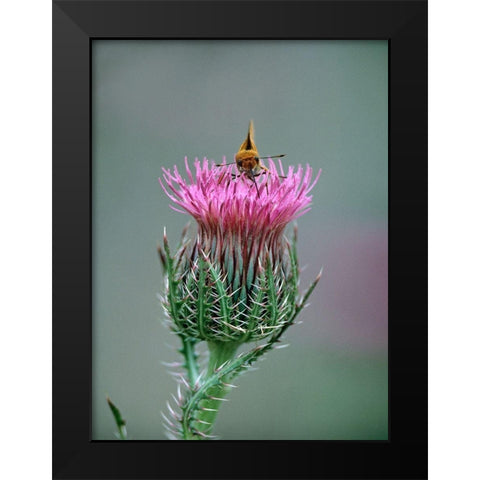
(320, 102)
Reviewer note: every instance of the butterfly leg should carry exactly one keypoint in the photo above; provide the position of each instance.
(264, 172)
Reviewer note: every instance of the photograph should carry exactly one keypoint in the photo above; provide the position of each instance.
(239, 239)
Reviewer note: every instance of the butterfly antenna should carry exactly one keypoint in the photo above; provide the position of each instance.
(273, 156)
(224, 164)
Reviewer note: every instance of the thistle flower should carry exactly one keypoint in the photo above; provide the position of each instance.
(237, 281)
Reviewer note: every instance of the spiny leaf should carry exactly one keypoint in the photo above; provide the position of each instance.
(172, 284)
(120, 422)
(308, 292)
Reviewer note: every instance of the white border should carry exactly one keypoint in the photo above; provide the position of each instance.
(454, 240)
(25, 249)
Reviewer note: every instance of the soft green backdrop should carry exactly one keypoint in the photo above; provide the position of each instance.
(321, 102)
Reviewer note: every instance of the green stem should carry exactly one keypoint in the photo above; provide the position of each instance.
(220, 352)
(188, 351)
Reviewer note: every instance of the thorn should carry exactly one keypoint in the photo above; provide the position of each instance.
(221, 366)
(179, 393)
(182, 379)
(229, 385)
(203, 421)
(219, 399)
(204, 435)
(242, 330)
(197, 381)
(169, 429)
(209, 409)
(172, 364)
(173, 413)
(169, 422)
(279, 347)
(163, 258)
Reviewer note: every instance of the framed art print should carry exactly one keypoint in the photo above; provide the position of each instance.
(232, 178)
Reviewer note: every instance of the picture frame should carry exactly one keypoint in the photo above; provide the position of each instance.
(75, 25)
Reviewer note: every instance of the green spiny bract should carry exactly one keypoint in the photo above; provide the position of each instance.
(222, 297)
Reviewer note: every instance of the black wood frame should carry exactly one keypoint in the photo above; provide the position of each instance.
(404, 25)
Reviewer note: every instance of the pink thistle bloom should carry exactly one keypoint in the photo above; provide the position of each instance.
(240, 236)
(231, 207)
